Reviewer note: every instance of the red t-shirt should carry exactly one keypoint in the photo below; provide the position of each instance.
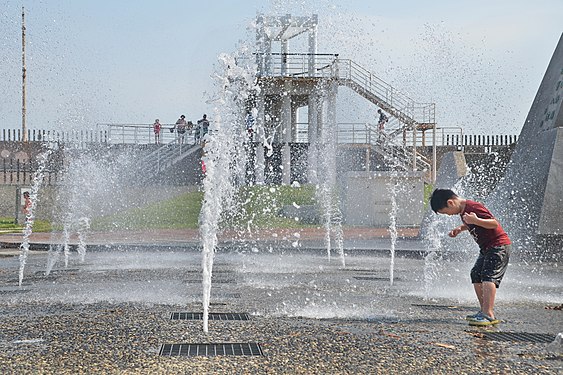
(485, 238)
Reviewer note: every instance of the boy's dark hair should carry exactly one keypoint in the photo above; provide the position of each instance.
(439, 198)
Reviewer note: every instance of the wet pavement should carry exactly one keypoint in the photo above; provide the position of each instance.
(309, 314)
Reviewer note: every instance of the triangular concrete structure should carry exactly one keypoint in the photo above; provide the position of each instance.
(529, 199)
(452, 167)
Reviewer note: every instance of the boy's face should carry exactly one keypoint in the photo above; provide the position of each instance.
(453, 208)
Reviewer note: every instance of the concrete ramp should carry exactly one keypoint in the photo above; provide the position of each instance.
(452, 167)
(529, 199)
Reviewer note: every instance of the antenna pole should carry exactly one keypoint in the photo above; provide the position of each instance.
(24, 128)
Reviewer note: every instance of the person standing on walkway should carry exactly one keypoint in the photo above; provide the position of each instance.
(382, 120)
(203, 125)
(156, 128)
(494, 245)
(181, 128)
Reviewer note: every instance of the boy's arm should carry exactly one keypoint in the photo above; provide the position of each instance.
(457, 230)
(471, 218)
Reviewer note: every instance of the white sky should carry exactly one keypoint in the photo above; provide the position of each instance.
(127, 61)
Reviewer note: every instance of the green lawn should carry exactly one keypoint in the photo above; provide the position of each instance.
(259, 205)
(176, 213)
(7, 225)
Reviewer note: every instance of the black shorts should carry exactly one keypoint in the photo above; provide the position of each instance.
(491, 266)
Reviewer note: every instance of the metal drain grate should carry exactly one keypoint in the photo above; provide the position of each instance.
(14, 291)
(217, 295)
(212, 316)
(539, 338)
(213, 281)
(57, 271)
(444, 307)
(375, 278)
(189, 350)
(365, 270)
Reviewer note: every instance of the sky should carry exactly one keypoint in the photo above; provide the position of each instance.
(128, 61)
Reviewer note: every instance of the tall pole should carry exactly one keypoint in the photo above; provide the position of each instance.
(24, 128)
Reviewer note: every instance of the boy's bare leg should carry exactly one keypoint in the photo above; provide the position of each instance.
(488, 301)
(479, 292)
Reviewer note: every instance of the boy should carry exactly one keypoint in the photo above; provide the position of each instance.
(26, 208)
(493, 242)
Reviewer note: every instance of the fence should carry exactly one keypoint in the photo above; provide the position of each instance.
(354, 133)
(17, 172)
(56, 136)
(101, 133)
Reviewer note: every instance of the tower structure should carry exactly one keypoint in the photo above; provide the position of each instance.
(287, 82)
(290, 80)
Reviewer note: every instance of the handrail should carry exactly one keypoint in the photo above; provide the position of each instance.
(385, 143)
(384, 95)
(349, 73)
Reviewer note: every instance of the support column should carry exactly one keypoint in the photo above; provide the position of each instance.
(331, 128)
(284, 52)
(286, 136)
(434, 153)
(294, 121)
(260, 135)
(312, 48)
(313, 132)
(414, 148)
(260, 40)
(268, 65)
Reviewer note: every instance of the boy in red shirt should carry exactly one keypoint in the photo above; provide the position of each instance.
(494, 244)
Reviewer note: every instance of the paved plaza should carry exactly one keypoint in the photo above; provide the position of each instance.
(307, 314)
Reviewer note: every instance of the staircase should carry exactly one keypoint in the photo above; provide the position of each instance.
(165, 157)
(406, 115)
(411, 114)
(385, 144)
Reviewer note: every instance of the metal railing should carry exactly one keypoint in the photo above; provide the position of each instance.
(384, 95)
(307, 65)
(346, 133)
(167, 155)
(83, 136)
(21, 172)
(350, 74)
(100, 133)
(143, 133)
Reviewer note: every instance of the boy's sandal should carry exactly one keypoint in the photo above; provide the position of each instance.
(483, 320)
(473, 316)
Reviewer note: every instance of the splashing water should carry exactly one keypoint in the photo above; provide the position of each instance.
(392, 187)
(83, 226)
(327, 192)
(224, 158)
(434, 237)
(37, 181)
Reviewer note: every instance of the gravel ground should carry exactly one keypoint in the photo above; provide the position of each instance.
(111, 314)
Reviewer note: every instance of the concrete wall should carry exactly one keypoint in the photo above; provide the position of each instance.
(367, 199)
(551, 218)
(529, 198)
